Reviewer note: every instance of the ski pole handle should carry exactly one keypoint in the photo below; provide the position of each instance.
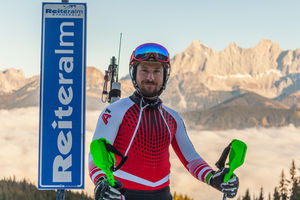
(237, 151)
(221, 162)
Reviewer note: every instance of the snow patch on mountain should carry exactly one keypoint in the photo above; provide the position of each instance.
(256, 76)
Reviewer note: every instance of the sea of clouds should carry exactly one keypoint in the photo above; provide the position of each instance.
(269, 151)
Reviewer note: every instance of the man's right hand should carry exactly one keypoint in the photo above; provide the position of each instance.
(103, 191)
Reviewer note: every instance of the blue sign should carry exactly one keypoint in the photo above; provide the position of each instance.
(62, 96)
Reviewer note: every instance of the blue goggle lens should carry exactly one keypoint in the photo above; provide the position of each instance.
(143, 51)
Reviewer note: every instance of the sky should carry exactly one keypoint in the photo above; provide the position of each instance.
(172, 23)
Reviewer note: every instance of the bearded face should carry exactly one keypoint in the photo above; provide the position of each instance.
(149, 77)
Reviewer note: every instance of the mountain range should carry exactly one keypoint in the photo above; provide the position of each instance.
(231, 88)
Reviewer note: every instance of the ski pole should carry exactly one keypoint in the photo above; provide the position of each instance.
(237, 152)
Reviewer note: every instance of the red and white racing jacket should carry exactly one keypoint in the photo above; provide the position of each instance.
(144, 133)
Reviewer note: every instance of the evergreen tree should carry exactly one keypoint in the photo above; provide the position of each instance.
(180, 197)
(261, 194)
(175, 197)
(295, 187)
(247, 195)
(276, 195)
(269, 196)
(283, 187)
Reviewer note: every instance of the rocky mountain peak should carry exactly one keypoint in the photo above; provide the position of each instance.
(264, 69)
(232, 50)
(192, 59)
(197, 46)
(94, 78)
(11, 79)
(232, 45)
(267, 44)
(195, 43)
(12, 71)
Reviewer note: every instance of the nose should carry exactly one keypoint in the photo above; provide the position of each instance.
(150, 76)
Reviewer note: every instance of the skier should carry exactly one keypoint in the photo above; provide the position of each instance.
(142, 128)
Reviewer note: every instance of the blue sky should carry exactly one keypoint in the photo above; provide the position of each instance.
(173, 23)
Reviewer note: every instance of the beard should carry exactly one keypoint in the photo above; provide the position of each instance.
(149, 89)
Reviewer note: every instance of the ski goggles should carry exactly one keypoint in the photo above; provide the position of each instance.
(151, 50)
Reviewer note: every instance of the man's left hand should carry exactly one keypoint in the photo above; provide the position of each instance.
(217, 181)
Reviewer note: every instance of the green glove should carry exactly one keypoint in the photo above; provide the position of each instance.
(103, 159)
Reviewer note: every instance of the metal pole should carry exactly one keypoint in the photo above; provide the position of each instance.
(60, 195)
(119, 58)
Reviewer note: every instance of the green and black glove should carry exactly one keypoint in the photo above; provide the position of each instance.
(103, 191)
(217, 181)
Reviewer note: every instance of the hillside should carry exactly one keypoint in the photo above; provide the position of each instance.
(10, 189)
(243, 111)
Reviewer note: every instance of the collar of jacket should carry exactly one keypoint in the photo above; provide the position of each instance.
(136, 97)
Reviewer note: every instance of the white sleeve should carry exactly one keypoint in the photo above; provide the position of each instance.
(186, 152)
(107, 127)
(110, 120)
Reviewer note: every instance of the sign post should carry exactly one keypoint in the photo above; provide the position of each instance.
(62, 96)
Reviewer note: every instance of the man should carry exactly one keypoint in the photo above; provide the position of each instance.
(142, 128)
